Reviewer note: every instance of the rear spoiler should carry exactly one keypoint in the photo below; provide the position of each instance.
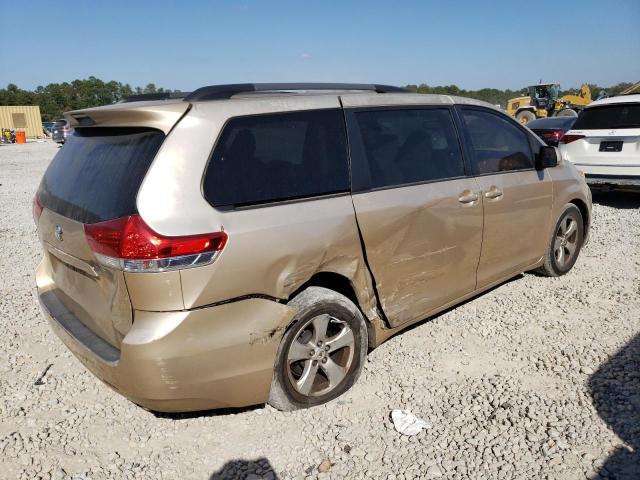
(160, 115)
(143, 97)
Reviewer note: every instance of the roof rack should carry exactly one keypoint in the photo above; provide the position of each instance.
(221, 92)
(144, 97)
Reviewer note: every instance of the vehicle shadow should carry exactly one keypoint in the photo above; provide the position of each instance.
(617, 198)
(615, 391)
(220, 412)
(243, 469)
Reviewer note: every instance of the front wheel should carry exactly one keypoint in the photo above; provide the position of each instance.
(321, 355)
(525, 117)
(565, 244)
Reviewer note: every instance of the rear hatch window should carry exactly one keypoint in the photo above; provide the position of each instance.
(625, 115)
(97, 174)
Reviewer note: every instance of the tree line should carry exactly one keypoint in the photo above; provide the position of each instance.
(56, 98)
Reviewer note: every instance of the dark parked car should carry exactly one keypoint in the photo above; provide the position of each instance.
(551, 130)
(61, 130)
(48, 127)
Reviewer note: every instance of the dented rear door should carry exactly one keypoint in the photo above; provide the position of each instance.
(419, 214)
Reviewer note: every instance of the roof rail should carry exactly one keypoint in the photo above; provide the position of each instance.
(143, 97)
(221, 92)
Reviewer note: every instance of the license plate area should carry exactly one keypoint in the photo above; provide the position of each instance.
(611, 146)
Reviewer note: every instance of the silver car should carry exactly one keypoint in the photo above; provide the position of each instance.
(61, 131)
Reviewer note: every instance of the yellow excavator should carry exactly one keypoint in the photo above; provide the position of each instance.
(631, 89)
(541, 101)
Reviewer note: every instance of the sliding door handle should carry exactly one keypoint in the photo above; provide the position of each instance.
(468, 197)
(494, 192)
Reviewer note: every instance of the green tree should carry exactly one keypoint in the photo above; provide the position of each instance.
(56, 98)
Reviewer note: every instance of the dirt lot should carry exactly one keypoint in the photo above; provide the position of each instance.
(539, 378)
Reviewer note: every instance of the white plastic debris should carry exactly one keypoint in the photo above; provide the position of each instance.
(407, 423)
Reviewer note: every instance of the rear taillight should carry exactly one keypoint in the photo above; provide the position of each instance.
(570, 138)
(65, 129)
(37, 209)
(554, 136)
(129, 244)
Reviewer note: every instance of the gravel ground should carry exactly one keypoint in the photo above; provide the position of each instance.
(539, 378)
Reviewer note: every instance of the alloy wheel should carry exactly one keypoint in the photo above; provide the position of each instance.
(320, 356)
(566, 241)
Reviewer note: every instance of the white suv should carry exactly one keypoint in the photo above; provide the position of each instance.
(605, 142)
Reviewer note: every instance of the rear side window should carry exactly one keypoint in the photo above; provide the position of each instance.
(275, 157)
(498, 145)
(97, 173)
(409, 146)
(626, 115)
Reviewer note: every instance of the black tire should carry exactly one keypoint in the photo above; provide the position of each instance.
(525, 117)
(341, 313)
(553, 266)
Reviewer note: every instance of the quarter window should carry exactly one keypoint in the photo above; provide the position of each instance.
(497, 144)
(409, 146)
(275, 157)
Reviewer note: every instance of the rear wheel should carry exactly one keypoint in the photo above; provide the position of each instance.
(565, 244)
(322, 354)
(567, 112)
(525, 117)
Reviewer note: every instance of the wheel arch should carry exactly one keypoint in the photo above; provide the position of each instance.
(342, 285)
(530, 108)
(584, 211)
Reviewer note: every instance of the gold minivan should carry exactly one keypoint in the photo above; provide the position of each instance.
(250, 243)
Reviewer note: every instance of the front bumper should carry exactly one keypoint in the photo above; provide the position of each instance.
(213, 357)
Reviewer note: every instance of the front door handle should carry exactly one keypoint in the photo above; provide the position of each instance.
(494, 192)
(468, 197)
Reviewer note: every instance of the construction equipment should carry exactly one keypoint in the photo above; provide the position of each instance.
(541, 101)
(631, 89)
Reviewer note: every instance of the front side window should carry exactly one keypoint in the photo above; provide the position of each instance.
(275, 157)
(409, 146)
(497, 144)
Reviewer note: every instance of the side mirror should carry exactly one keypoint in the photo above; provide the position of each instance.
(547, 157)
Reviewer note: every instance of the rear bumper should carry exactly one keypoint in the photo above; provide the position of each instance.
(214, 357)
(610, 175)
(612, 180)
